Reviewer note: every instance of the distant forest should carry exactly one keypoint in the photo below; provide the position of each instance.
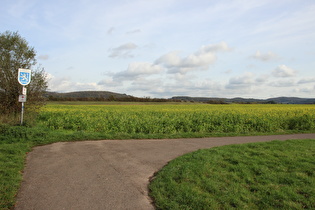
(101, 96)
(111, 96)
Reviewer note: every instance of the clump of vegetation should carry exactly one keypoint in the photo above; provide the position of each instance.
(273, 175)
(15, 53)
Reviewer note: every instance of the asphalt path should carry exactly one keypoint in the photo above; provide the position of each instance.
(107, 174)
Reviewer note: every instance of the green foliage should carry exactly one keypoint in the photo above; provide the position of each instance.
(250, 176)
(14, 54)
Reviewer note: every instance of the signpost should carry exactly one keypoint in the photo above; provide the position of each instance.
(24, 78)
(24, 90)
(22, 98)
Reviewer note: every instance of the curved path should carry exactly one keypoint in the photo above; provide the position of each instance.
(108, 174)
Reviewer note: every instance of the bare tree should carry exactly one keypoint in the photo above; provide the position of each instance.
(15, 53)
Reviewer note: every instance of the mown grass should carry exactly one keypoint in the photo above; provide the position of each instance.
(272, 175)
(12, 158)
(73, 121)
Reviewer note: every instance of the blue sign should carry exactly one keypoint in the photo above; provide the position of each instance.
(24, 76)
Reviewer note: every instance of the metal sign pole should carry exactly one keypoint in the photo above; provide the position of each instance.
(24, 78)
(22, 99)
(22, 113)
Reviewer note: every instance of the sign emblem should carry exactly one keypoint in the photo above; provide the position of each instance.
(22, 98)
(24, 76)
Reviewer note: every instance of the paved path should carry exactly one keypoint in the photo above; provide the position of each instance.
(109, 174)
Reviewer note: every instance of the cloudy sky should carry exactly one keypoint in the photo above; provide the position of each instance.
(165, 48)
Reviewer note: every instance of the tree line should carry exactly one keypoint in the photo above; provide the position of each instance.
(111, 98)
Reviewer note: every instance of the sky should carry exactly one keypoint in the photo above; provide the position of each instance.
(164, 48)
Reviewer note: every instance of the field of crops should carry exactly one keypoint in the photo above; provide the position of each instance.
(70, 121)
(179, 118)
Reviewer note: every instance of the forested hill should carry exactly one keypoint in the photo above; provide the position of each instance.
(112, 96)
(85, 95)
(98, 96)
(278, 100)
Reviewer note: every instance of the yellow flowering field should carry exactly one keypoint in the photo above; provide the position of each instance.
(179, 118)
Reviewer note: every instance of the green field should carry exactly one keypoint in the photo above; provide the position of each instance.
(72, 121)
(179, 118)
(272, 175)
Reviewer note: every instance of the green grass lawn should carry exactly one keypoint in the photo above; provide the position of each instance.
(250, 176)
(12, 158)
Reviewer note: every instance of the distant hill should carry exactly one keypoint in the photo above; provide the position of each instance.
(89, 95)
(98, 96)
(293, 100)
(278, 100)
(112, 96)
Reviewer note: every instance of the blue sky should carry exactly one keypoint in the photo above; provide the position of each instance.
(165, 48)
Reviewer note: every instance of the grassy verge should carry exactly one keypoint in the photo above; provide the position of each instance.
(12, 158)
(250, 176)
(16, 141)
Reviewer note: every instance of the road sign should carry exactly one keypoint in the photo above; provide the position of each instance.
(24, 90)
(22, 98)
(24, 76)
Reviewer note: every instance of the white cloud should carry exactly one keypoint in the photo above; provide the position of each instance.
(146, 85)
(183, 78)
(240, 85)
(43, 57)
(200, 61)
(261, 79)
(133, 31)
(241, 81)
(110, 31)
(306, 81)
(138, 69)
(197, 61)
(283, 83)
(265, 57)
(229, 71)
(209, 86)
(201, 88)
(283, 71)
(65, 84)
(123, 51)
(222, 46)
(307, 90)
(109, 82)
(169, 60)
